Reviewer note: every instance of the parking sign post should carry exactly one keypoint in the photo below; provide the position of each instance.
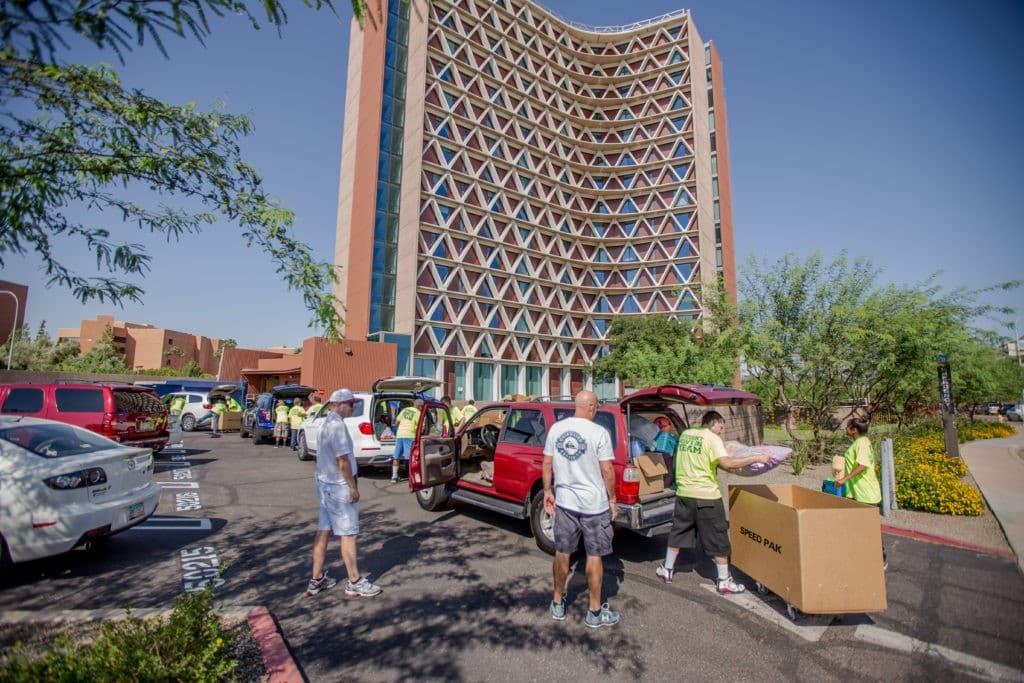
(948, 408)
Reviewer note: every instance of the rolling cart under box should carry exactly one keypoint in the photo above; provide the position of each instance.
(820, 553)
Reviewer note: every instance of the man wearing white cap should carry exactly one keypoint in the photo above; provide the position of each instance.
(338, 491)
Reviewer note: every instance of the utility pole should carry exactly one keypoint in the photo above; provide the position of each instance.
(14, 327)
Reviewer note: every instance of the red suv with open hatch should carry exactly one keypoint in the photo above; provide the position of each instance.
(494, 460)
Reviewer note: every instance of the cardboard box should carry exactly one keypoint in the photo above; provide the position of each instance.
(652, 473)
(818, 552)
(230, 422)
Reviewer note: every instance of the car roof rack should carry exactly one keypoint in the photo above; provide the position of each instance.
(566, 399)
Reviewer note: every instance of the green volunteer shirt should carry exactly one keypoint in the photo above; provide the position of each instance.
(697, 454)
(408, 421)
(178, 404)
(234, 406)
(282, 413)
(296, 415)
(864, 487)
(219, 408)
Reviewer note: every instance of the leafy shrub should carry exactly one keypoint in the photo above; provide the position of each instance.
(190, 645)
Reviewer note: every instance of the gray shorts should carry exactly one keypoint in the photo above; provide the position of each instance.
(596, 531)
(336, 513)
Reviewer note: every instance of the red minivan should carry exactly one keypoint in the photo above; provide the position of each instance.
(494, 460)
(129, 414)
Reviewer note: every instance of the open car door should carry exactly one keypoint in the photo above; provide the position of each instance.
(434, 459)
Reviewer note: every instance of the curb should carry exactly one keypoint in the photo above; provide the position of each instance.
(943, 540)
(277, 659)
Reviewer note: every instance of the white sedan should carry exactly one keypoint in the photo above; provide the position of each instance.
(62, 486)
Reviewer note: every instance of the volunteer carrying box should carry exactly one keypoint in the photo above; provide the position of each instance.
(820, 553)
(652, 472)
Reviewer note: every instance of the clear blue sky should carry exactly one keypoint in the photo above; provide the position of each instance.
(890, 129)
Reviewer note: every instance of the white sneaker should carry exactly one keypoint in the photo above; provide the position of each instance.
(361, 589)
(729, 586)
(664, 573)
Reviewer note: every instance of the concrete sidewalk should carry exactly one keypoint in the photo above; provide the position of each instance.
(997, 466)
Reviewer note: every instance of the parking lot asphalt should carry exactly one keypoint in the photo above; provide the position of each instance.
(466, 591)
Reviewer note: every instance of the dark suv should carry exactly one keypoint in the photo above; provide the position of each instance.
(258, 421)
(132, 415)
(494, 460)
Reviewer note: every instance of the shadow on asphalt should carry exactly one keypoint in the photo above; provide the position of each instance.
(116, 560)
(463, 606)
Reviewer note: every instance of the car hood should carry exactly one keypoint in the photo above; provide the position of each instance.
(413, 385)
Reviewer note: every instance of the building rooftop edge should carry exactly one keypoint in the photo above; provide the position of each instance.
(622, 28)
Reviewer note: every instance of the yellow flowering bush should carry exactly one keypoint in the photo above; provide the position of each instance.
(927, 480)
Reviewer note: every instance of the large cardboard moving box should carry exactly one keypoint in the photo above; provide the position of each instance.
(820, 553)
(230, 421)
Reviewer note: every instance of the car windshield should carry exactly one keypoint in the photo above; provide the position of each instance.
(55, 440)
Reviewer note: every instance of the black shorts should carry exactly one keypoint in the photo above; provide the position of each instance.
(706, 517)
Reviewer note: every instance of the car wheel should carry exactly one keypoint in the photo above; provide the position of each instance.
(302, 449)
(256, 439)
(188, 422)
(241, 430)
(542, 524)
(432, 498)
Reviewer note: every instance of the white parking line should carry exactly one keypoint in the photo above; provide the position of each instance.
(975, 666)
(178, 484)
(156, 523)
(756, 604)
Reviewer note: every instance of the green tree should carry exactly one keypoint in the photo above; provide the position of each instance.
(23, 356)
(192, 369)
(73, 136)
(62, 353)
(29, 353)
(818, 335)
(650, 350)
(102, 358)
(228, 343)
(796, 317)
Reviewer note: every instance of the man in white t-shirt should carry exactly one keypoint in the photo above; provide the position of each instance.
(338, 491)
(578, 459)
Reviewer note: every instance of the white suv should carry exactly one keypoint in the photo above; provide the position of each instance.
(197, 405)
(372, 438)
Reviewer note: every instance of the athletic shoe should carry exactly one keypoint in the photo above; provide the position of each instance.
(361, 589)
(605, 617)
(729, 586)
(317, 585)
(558, 610)
(664, 573)
(394, 480)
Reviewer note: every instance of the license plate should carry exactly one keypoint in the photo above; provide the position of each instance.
(145, 426)
(135, 510)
